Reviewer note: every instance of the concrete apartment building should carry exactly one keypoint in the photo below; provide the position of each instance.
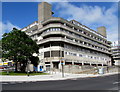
(67, 41)
(116, 53)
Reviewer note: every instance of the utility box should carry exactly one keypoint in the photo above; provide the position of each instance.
(30, 68)
(40, 68)
(101, 71)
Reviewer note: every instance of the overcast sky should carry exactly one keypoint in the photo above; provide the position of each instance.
(91, 14)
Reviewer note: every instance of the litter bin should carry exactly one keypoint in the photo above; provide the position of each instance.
(101, 71)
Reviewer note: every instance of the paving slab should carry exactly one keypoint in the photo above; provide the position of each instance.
(53, 76)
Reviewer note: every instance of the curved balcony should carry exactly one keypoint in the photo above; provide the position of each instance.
(72, 36)
(68, 41)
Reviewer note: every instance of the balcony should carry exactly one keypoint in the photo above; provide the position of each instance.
(67, 28)
(68, 41)
(73, 36)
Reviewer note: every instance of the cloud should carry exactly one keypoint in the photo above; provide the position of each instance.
(92, 16)
(7, 27)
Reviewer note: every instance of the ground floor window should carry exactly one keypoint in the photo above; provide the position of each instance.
(47, 54)
(56, 65)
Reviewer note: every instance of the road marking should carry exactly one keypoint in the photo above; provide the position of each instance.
(115, 88)
(9, 83)
(12, 83)
(4, 83)
(116, 82)
(74, 79)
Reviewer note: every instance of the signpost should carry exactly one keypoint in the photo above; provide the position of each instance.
(62, 62)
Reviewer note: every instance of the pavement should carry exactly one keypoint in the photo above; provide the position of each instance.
(51, 76)
(108, 82)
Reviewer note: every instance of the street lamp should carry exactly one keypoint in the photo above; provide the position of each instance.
(28, 73)
(62, 62)
(35, 55)
(28, 70)
(107, 67)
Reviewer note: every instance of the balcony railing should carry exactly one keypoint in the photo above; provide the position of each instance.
(69, 41)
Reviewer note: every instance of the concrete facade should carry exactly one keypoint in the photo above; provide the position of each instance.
(102, 30)
(68, 41)
(44, 11)
(116, 54)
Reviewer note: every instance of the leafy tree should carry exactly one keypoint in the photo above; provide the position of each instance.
(19, 47)
(0, 49)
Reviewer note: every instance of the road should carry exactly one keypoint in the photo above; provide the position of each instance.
(95, 83)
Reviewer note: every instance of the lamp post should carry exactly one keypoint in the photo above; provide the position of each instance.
(62, 68)
(36, 55)
(28, 71)
(107, 67)
(62, 62)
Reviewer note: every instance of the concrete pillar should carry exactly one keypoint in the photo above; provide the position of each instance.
(82, 63)
(44, 66)
(51, 64)
(90, 64)
(44, 11)
(72, 62)
(38, 67)
(102, 30)
(64, 24)
(60, 66)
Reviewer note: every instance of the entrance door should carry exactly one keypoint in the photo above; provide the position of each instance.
(41, 68)
(47, 67)
(55, 65)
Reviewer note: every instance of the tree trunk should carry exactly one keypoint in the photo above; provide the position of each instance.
(23, 68)
(16, 70)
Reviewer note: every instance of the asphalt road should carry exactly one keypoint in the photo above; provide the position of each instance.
(110, 82)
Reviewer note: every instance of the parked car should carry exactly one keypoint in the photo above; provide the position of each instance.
(1, 67)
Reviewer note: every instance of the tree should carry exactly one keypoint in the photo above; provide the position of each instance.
(19, 47)
(0, 49)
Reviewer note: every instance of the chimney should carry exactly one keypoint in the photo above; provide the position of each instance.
(44, 11)
(102, 30)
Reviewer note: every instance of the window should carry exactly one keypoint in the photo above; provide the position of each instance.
(75, 29)
(47, 54)
(47, 62)
(80, 30)
(80, 55)
(57, 53)
(46, 45)
(57, 44)
(85, 33)
(74, 54)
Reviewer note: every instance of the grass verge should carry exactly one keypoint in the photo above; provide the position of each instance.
(19, 73)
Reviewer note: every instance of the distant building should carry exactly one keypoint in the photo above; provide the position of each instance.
(116, 53)
(67, 41)
(6, 62)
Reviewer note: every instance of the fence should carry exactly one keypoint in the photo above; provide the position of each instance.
(76, 69)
